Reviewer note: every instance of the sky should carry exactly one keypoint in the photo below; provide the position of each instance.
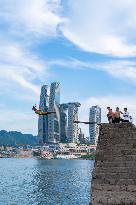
(88, 46)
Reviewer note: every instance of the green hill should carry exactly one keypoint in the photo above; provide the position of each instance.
(14, 138)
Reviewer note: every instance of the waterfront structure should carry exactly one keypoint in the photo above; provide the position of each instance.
(54, 119)
(43, 120)
(94, 116)
(63, 122)
(72, 131)
(69, 148)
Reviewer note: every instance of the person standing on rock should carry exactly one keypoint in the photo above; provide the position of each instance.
(117, 113)
(126, 115)
(110, 115)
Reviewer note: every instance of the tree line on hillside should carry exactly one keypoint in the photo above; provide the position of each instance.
(14, 138)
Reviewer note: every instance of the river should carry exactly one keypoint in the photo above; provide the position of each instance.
(45, 182)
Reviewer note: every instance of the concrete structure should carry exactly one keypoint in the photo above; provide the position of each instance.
(114, 174)
(43, 120)
(94, 116)
(63, 122)
(54, 119)
(72, 132)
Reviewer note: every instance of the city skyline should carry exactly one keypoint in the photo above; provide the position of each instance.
(59, 126)
(91, 53)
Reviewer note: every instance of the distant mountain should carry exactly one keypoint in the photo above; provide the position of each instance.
(14, 138)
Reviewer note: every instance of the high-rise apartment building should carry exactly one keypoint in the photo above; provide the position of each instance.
(63, 122)
(54, 119)
(72, 132)
(81, 136)
(43, 120)
(57, 127)
(94, 116)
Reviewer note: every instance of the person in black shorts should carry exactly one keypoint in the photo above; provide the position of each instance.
(117, 113)
(110, 115)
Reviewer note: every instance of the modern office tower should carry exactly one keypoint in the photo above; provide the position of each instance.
(81, 136)
(54, 118)
(72, 132)
(94, 116)
(43, 120)
(63, 122)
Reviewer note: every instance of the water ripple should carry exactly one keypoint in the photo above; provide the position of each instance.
(45, 182)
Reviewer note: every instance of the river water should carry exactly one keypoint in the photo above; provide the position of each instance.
(45, 182)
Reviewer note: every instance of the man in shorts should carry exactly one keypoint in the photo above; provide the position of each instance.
(110, 115)
(117, 115)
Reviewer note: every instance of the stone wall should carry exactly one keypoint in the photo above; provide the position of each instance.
(114, 174)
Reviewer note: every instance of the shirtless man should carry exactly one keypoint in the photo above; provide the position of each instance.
(110, 115)
(117, 113)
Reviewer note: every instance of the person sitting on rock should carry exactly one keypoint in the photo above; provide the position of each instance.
(117, 113)
(126, 115)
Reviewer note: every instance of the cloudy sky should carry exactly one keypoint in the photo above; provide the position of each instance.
(88, 46)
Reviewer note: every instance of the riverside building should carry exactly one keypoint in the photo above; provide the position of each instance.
(54, 119)
(72, 131)
(43, 120)
(63, 122)
(94, 116)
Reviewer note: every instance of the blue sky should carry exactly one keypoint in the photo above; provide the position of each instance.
(88, 46)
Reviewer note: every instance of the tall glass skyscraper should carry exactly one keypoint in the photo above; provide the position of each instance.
(94, 116)
(72, 132)
(43, 120)
(63, 122)
(54, 119)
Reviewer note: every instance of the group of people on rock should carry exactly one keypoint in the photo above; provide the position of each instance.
(115, 117)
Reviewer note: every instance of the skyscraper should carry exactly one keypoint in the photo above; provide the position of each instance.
(63, 122)
(81, 136)
(72, 132)
(94, 116)
(43, 120)
(54, 119)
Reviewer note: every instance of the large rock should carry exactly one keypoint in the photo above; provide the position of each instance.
(114, 174)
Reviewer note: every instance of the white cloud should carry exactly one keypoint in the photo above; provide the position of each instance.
(34, 17)
(122, 69)
(19, 73)
(103, 102)
(25, 122)
(20, 68)
(105, 26)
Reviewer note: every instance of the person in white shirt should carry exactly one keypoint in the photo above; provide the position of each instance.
(125, 115)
